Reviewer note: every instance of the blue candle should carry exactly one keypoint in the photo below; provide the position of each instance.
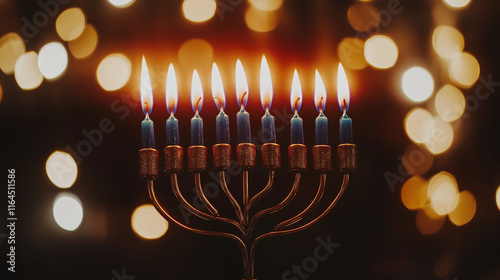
(147, 126)
(343, 97)
(196, 103)
(266, 99)
(296, 123)
(222, 120)
(171, 98)
(268, 129)
(320, 103)
(242, 117)
(345, 129)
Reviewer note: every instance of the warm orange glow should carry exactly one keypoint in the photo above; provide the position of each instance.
(172, 95)
(296, 93)
(218, 89)
(343, 95)
(241, 85)
(414, 193)
(443, 193)
(465, 210)
(319, 93)
(266, 85)
(196, 92)
(146, 89)
(427, 224)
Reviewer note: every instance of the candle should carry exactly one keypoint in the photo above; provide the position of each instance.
(266, 99)
(320, 103)
(196, 103)
(296, 123)
(242, 117)
(147, 126)
(171, 99)
(222, 120)
(343, 97)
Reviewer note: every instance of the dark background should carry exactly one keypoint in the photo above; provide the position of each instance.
(378, 236)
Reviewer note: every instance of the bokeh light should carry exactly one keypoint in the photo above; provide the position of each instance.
(418, 84)
(85, 44)
(428, 223)
(381, 52)
(196, 54)
(70, 24)
(419, 125)
(417, 160)
(443, 193)
(498, 198)
(11, 48)
(441, 137)
(199, 10)
(414, 193)
(121, 3)
(260, 21)
(61, 169)
(457, 3)
(449, 103)
(148, 223)
(68, 211)
(465, 210)
(364, 17)
(114, 72)
(26, 71)
(447, 41)
(266, 5)
(1, 94)
(351, 53)
(52, 60)
(464, 69)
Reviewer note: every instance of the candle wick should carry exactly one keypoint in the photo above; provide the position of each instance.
(266, 104)
(147, 108)
(198, 105)
(220, 103)
(345, 106)
(242, 100)
(172, 109)
(320, 105)
(297, 105)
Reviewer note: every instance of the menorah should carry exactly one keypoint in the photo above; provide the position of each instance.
(246, 158)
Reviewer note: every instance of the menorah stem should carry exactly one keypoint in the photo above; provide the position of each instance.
(245, 197)
(201, 195)
(263, 192)
(225, 189)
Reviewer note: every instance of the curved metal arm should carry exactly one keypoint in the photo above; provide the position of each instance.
(314, 203)
(201, 195)
(196, 212)
(225, 189)
(278, 207)
(263, 192)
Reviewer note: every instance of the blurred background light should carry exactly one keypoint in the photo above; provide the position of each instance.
(52, 60)
(70, 24)
(121, 3)
(1, 94)
(68, 211)
(414, 193)
(419, 125)
(11, 48)
(498, 198)
(196, 54)
(199, 10)
(364, 17)
(351, 53)
(464, 69)
(85, 44)
(417, 160)
(444, 198)
(61, 169)
(381, 52)
(147, 223)
(449, 103)
(114, 72)
(26, 71)
(441, 137)
(447, 41)
(465, 209)
(457, 3)
(428, 222)
(449, 182)
(266, 5)
(418, 84)
(261, 21)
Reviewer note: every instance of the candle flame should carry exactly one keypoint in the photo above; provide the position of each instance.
(196, 93)
(241, 85)
(296, 93)
(319, 93)
(172, 95)
(266, 85)
(343, 95)
(218, 89)
(146, 89)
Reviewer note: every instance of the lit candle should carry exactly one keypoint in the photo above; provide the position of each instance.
(196, 103)
(243, 117)
(266, 98)
(320, 103)
(343, 97)
(147, 126)
(222, 119)
(296, 123)
(171, 99)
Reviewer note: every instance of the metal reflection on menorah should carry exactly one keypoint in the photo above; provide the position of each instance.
(244, 234)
